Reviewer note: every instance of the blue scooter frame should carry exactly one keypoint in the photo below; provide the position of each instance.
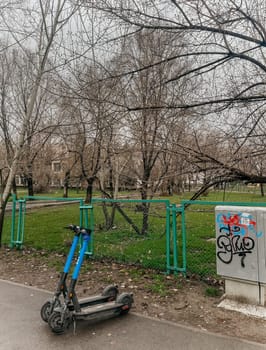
(109, 293)
(59, 314)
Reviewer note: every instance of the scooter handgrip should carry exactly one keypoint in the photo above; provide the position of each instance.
(86, 231)
(72, 227)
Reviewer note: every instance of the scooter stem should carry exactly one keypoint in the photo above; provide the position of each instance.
(71, 253)
(86, 239)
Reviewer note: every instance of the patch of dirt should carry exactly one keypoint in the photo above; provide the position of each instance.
(172, 298)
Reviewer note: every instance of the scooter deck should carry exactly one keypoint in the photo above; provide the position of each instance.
(109, 308)
(90, 301)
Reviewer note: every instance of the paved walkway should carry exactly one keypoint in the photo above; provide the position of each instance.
(21, 328)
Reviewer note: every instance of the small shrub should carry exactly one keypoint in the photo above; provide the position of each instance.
(212, 292)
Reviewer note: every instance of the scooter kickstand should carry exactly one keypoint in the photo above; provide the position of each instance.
(74, 325)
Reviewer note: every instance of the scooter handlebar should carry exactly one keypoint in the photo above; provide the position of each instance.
(78, 229)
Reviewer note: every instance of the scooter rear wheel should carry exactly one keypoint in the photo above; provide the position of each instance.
(127, 300)
(56, 324)
(111, 292)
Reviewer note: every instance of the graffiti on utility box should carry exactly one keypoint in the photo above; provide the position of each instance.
(237, 236)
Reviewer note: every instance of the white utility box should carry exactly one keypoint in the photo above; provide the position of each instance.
(241, 251)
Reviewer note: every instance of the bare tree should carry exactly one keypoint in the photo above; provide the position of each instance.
(43, 24)
(97, 127)
(44, 120)
(226, 50)
(151, 128)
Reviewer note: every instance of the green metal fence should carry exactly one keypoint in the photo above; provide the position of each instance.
(124, 242)
(180, 238)
(157, 248)
(19, 218)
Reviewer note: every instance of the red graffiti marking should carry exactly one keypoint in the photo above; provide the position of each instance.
(235, 220)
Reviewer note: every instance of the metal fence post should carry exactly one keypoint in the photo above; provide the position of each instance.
(88, 223)
(168, 233)
(81, 203)
(184, 236)
(174, 235)
(13, 222)
(20, 225)
(21, 222)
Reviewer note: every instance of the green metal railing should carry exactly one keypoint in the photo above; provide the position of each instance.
(178, 230)
(19, 211)
(174, 261)
(185, 203)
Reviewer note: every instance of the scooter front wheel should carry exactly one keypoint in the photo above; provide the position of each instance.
(56, 323)
(48, 308)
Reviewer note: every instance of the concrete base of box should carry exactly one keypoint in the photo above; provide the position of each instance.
(246, 309)
(245, 291)
(263, 294)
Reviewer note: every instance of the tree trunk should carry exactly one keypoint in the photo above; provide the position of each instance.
(109, 217)
(30, 181)
(189, 185)
(66, 184)
(145, 219)
(14, 188)
(261, 190)
(2, 217)
(89, 189)
(146, 208)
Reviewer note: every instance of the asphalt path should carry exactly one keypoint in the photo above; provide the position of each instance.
(40, 204)
(21, 328)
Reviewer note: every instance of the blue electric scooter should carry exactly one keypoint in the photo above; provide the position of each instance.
(65, 307)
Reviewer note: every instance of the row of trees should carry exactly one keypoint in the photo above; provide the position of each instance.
(225, 65)
(152, 90)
